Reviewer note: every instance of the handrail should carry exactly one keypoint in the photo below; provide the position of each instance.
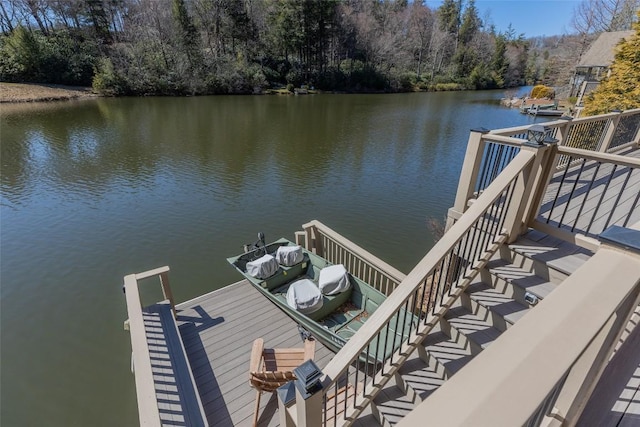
(456, 258)
(488, 152)
(359, 262)
(522, 129)
(633, 162)
(148, 411)
(558, 351)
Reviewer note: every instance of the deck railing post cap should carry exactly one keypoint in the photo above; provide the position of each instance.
(481, 130)
(308, 377)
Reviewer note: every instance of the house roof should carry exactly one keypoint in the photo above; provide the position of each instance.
(602, 51)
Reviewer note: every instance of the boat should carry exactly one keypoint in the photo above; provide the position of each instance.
(542, 110)
(339, 315)
(525, 109)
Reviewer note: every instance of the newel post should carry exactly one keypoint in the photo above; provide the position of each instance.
(468, 175)
(612, 125)
(300, 401)
(166, 291)
(562, 132)
(529, 188)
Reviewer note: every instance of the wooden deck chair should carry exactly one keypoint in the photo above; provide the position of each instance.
(271, 368)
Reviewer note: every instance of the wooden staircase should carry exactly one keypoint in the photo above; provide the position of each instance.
(514, 281)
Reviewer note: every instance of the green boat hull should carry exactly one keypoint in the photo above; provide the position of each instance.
(340, 316)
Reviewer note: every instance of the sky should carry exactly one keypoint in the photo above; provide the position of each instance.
(531, 17)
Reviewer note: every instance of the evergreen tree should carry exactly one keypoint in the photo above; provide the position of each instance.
(187, 33)
(499, 62)
(621, 90)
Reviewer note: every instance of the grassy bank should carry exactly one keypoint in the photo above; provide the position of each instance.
(19, 92)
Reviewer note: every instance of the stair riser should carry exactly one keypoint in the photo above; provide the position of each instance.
(454, 333)
(497, 321)
(508, 288)
(528, 264)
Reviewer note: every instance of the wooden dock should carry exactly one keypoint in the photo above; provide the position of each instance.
(218, 330)
(208, 343)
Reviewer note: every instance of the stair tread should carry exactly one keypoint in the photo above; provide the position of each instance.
(526, 280)
(474, 327)
(452, 354)
(423, 378)
(557, 254)
(484, 294)
(393, 404)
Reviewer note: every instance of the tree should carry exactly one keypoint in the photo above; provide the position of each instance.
(595, 16)
(466, 57)
(621, 90)
(499, 62)
(187, 33)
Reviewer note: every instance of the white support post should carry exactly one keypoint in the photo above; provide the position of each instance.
(308, 412)
(525, 187)
(286, 412)
(166, 291)
(469, 173)
(608, 135)
(544, 174)
(563, 131)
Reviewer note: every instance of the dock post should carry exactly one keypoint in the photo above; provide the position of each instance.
(468, 174)
(309, 396)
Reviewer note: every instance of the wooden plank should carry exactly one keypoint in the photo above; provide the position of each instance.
(220, 351)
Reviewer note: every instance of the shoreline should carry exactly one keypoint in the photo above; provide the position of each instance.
(15, 93)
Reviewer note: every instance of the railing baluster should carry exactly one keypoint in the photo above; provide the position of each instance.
(555, 199)
(439, 290)
(615, 205)
(335, 404)
(586, 196)
(346, 395)
(384, 350)
(404, 323)
(606, 187)
(355, 385)
(573, 189)
(633, 207)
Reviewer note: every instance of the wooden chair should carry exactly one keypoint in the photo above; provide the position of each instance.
(271, 368)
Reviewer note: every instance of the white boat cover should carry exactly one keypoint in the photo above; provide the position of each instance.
(263, 267)
(304, 296)
(333, 279)
(289, 255)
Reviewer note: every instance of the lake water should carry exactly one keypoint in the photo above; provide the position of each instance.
(97, 189)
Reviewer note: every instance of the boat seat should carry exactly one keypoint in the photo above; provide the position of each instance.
(289, 255)
(333, 279)
(263, 268)
(304, 296)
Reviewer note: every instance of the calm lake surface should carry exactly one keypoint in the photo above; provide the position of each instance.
(94, 190)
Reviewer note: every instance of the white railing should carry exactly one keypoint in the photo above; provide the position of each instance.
(148, 411)
(358, 372)
(325, 242)
(488, 152)
(188, 407)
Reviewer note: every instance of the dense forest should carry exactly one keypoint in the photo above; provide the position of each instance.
(247, 46)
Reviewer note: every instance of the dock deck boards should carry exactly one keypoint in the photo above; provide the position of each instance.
(588, 204)
(218, 330)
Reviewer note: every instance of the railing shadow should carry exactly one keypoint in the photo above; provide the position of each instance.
(208, 387)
